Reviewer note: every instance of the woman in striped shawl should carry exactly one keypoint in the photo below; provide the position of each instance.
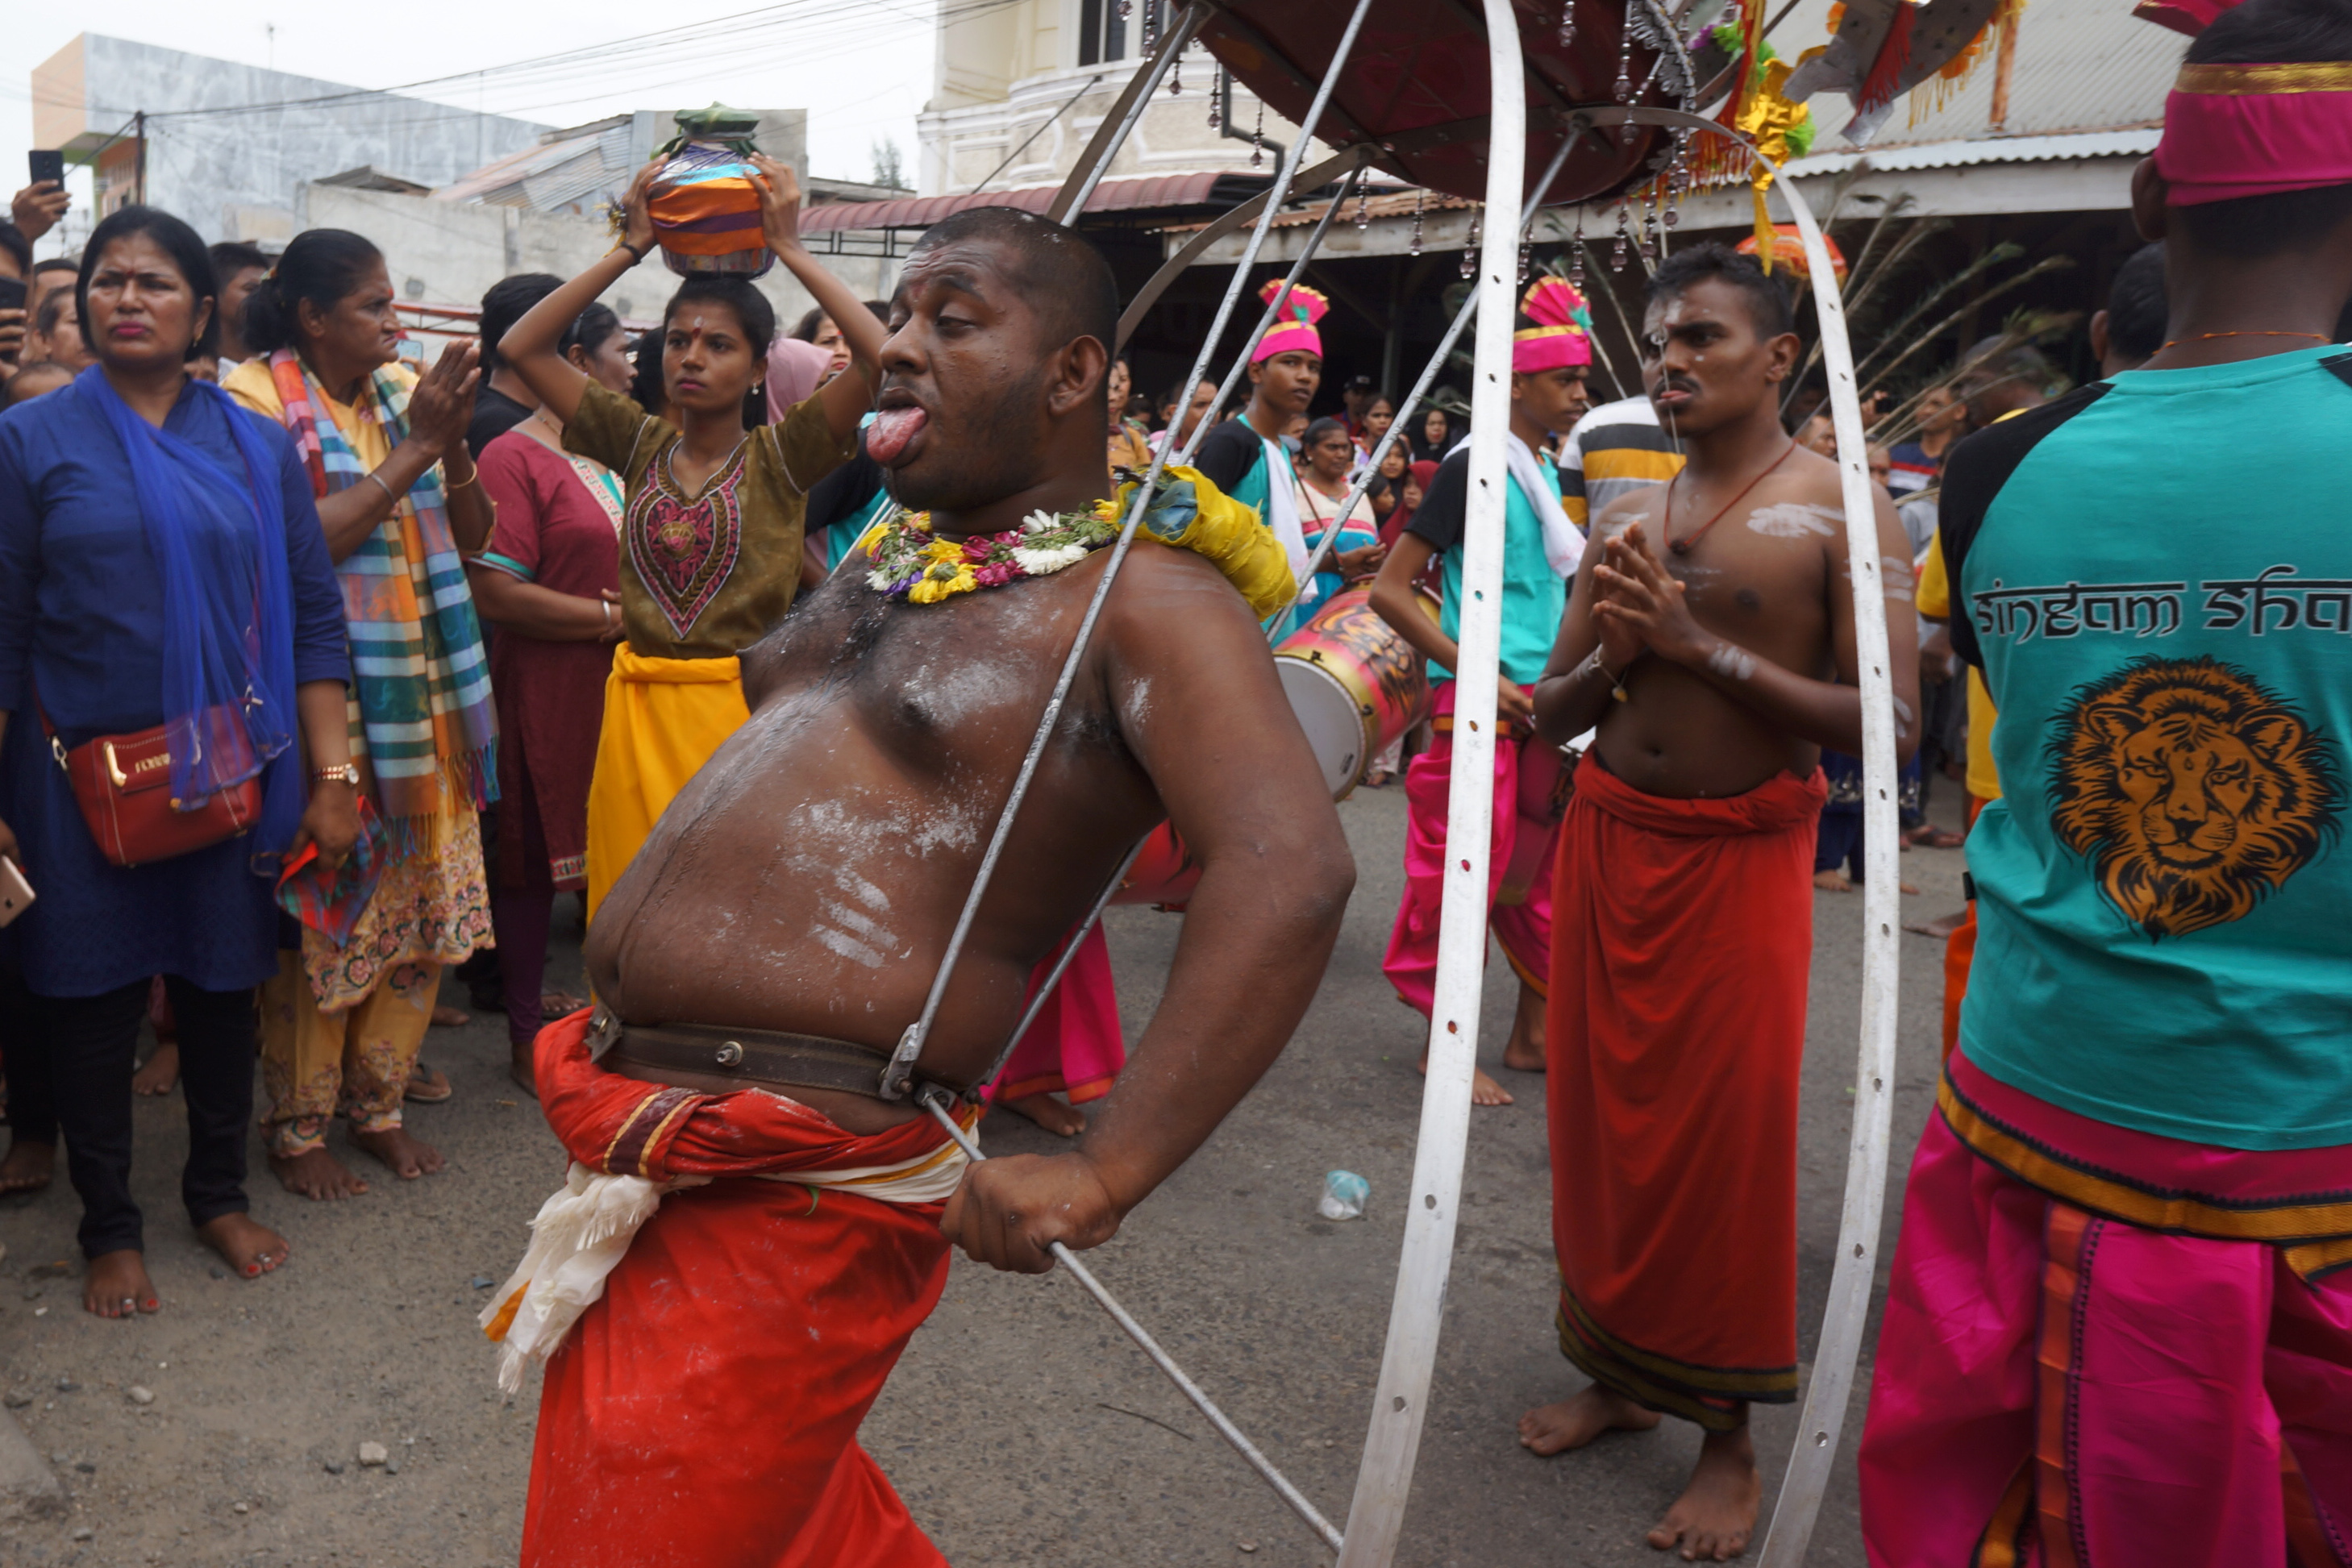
(401, 506)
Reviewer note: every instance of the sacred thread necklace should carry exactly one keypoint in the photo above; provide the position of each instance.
(1682, 547)
(909, 563)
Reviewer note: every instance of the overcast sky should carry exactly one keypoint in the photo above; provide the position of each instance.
(860, 68)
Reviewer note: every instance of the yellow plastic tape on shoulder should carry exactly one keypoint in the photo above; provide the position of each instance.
(1190, 513)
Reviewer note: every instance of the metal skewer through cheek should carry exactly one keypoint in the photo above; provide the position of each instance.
(897, 1074)
(937, 1102)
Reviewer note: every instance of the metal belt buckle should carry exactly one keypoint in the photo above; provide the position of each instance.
(604, 1032)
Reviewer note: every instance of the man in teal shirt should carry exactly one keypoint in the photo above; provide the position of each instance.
(2120, 1321)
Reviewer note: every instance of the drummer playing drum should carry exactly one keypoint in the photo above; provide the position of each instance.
(1550, 352)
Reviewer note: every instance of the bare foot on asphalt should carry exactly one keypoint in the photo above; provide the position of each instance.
(1484, 1090)
(1549, 1429)
(247, 1246)
(1941, 928)
(117, 1285)
(27, 1167)
(1831, 881)
(1525, 1053)
(447, 1017)
(161, 1072)
(409, 1158)
(1713, 1518)
(317, 1175)
(1049, 1114)
(519, 1069)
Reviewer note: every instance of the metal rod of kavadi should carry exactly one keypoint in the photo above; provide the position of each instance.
(1402, 1397)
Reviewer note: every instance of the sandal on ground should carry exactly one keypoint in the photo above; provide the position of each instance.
(427, 1086)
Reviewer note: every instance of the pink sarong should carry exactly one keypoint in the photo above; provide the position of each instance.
(1529, 797)
(1075, 1044)
(2080, 1370)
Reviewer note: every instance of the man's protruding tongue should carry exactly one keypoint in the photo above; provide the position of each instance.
(892, 428)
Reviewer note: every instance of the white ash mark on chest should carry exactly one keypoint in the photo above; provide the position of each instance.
(1796, 520)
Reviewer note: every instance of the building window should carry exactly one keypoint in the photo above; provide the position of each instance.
(1102, 32)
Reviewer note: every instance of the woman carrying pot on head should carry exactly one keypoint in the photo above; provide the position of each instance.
(550, 583)
(161, 570)
(401, 504)
(711, 534)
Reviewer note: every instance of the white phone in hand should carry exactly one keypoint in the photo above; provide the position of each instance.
(15, 892)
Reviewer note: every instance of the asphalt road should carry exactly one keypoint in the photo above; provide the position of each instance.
(1020, 1426)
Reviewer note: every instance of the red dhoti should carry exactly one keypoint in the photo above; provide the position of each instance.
(2101, 1345)
(704, 1411)
(1673, 1036)
(1075, 1044)
(1518, 867)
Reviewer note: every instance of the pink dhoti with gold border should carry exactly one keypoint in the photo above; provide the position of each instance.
(2103, 1346)
(1531, 784)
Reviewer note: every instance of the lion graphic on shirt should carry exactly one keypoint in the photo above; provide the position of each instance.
(2193, 791)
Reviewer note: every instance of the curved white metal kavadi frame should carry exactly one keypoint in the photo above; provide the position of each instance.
(1376, 1515)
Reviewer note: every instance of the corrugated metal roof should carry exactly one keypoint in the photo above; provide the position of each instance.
(2080, 66)
(1991, 150)
(1110, 196)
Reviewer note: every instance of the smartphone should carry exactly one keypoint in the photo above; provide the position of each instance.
(15, 892)
(48, 165)
(12, 293)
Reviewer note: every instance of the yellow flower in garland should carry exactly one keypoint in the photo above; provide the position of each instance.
(942, 580)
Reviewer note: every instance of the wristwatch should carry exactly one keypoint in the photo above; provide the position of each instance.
(349, 773)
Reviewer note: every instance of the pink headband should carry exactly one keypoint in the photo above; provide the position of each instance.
(2255, 131)
(1561, 337)
(1293, 331)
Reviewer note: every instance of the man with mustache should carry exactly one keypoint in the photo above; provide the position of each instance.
(1697, 639)
(776, 936)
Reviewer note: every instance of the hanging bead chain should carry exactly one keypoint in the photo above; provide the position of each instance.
(1363, 210)
(1567, 23)
(1678, 179)
(1470, 250)
(1176, 78)
(1419, 200)
(1628, 131)
(1617, 251)
(1217, 96)
(1150, 23)
(1526, 259)
(1125, 9)
(1257, 138)
(1576, 256)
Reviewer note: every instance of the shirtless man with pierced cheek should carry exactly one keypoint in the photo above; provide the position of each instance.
(1711, 639)
(780, 929)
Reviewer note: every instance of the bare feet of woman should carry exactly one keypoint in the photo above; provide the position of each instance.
(162, 1070)
(1049, 1114)
(1941, 927)
(247, 1246)
(116, 1285)
(1549, 1429)
(317, 1175)
(408, 1158)
(1713, 1518)
(447, 1017)
(27, 1167)
(1831, 881)
(1525, 1053)
(1484, 1090)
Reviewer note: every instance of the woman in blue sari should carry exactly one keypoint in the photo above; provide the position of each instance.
(160, 564)
(1325, 456)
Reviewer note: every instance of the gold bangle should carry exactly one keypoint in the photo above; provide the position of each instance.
(459, 485)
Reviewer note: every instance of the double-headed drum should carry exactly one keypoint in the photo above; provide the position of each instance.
(1355, 685)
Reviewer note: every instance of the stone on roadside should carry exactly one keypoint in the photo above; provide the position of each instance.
(373, 1453)
(83, 1533)
(333, 1467)
(17, 1399)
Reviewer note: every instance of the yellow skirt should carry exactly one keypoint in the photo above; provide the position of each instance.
(663, 718)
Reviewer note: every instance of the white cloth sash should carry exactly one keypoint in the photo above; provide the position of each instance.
(1564, 545)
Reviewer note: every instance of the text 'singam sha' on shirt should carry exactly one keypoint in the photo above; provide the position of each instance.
(2165, 907)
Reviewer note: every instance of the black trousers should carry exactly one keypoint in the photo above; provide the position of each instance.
(25, 1058)
(90, 1041)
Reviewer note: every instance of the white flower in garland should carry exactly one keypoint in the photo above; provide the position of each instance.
(1038, 522)
(1046, 562)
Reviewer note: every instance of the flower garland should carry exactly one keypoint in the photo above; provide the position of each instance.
(909, 564)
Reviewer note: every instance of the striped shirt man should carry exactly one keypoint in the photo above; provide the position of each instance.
(1616, 448)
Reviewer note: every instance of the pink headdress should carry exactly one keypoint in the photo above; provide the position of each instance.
(1561, 333)
(2234, 131)
(1293, 331)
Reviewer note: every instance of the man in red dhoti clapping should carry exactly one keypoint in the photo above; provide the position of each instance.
(749, 1232)
(1681, 921)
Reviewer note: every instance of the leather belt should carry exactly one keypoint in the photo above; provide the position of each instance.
(757, 1058)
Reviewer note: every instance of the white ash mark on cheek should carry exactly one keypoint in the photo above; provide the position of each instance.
(1795, 520)
(1731, 661)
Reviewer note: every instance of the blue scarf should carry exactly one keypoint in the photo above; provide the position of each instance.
(218, 539)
